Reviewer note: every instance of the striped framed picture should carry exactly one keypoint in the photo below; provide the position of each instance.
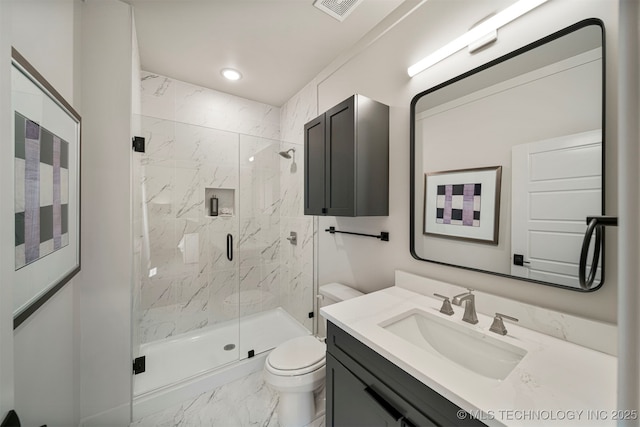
(46, 214)
(463, 204)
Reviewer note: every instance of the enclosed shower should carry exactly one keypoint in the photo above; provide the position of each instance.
(218, 281)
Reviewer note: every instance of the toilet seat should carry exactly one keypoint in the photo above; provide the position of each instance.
(298, 356)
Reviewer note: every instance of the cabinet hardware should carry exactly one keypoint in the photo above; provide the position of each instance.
(388, 408)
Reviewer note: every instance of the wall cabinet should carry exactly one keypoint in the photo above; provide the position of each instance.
(347, 160)
(365, 389)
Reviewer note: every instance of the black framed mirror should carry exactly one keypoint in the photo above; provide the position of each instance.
(507, 161)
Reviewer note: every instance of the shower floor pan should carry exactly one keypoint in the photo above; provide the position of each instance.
(186, 365)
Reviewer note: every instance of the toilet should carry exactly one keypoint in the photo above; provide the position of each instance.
(296, 368)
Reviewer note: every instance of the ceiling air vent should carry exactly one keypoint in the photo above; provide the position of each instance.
(338, 9)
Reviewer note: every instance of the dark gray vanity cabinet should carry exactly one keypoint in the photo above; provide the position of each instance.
(365, 389)
(347, 160)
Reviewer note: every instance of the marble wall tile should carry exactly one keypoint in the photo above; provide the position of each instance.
(250, 293)
(158, 96)
(159, 137)
(192, 316)
(270, 286)
(197, 146)
(297, 293)
(157, 185)
(194, 105)
(249, 242)
(224, 296)
(301, 108)
(157, 292)
(171, 99)
(158, 323)
(188, 197)
(218, 110)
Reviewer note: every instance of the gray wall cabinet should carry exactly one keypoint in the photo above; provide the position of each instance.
(365, 389)
(347, 160)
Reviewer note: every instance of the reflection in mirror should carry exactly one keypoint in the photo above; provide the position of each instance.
(537, 114)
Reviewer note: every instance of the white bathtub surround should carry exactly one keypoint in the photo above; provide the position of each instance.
(180, 367)
(242, 403)
(557, 382)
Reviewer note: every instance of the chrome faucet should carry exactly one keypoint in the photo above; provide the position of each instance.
(469, 315)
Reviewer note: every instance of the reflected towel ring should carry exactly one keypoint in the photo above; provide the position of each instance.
(596, 224)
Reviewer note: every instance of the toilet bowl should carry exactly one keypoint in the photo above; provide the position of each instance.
(296, 368)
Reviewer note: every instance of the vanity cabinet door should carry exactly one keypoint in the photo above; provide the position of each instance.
(355, 404)
(417, 404)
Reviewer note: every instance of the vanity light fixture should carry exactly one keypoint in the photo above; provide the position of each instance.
(478, 32)
(231, 74)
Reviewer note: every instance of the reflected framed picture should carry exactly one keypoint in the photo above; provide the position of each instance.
(46, 213)
(463, 204)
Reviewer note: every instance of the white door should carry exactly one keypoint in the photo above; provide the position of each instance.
(556, 184)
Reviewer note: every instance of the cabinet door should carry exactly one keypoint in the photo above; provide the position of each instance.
(340, 159)
(314, 165)
(352, 403)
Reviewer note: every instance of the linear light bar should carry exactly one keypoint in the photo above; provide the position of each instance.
(514, 11)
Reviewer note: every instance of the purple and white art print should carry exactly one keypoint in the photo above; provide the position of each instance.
(41, 191)
(463, 204)
(45, 219)
(459, 204)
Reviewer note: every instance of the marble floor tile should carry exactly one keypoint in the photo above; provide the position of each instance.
(243, 403)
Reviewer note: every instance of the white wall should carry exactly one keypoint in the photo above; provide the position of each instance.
(46, 389)
(104, 297)
(6, 238)
(379, 71)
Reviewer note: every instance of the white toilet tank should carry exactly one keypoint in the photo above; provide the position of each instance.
(332, 293)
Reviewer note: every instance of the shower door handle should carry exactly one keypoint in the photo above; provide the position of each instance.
(229, 247)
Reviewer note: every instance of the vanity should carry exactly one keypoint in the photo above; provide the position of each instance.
(507, 168)
(394, 359)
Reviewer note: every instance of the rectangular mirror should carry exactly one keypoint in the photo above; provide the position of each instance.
(536, 116)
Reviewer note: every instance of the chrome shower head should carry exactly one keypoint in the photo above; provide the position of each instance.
(286, 154)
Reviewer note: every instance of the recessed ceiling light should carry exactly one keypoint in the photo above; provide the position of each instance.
(231, 74)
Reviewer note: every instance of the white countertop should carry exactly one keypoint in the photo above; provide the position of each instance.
(556, 383)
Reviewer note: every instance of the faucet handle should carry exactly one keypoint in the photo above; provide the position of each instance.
(446, 305)
(498, 325)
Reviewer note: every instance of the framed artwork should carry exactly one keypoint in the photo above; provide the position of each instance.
(463, 204)
(46, 214)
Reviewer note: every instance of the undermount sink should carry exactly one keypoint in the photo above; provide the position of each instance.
(469, 348)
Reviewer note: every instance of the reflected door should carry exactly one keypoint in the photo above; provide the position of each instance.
(554, 183)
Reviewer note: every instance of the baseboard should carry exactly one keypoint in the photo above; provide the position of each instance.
(119, 416)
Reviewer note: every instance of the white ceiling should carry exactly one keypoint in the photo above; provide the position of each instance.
(278, 45)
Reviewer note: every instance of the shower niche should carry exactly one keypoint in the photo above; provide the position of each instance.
(219, 202)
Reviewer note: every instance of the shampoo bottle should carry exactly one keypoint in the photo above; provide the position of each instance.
(213, 206)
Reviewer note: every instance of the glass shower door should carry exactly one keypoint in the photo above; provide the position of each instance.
(185, 226)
